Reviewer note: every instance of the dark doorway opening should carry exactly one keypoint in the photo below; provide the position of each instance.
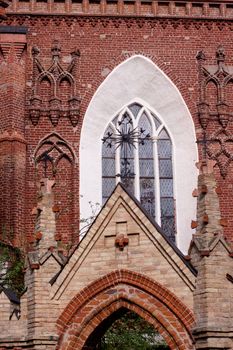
(125, 330)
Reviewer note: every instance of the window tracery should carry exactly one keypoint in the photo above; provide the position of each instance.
(51, 150)
(137, 150)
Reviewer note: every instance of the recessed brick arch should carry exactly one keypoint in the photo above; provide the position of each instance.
(114, 62)
(125, 289)
(139, 80)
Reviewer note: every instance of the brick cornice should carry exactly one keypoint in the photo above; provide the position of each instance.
(12, 41)
(121, 20)
(12, 137)
(200, 9)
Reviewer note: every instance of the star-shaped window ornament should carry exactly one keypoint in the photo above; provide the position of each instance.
(126, 137)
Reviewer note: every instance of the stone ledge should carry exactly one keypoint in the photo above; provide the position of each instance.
(11, 137)
(26, 342)
(13, 30)
(213, 332)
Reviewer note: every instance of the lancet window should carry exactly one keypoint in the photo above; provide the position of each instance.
(137, 150)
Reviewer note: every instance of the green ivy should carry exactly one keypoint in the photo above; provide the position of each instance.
(13, 277)
(131, 332)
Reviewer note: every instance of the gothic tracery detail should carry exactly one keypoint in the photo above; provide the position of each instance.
(214, 109)
(51, 150)
(55, 159)
(48, 98)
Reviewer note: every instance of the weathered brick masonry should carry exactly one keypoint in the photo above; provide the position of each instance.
(53, 57)
(171, 36)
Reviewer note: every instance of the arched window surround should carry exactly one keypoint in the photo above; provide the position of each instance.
(139, 79)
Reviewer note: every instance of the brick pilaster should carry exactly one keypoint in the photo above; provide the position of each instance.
(12, 142)
(43, 264)
(45, 224)
(210, 254)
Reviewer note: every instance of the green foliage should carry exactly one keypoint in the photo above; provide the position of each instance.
(11, 268)
(131, 332)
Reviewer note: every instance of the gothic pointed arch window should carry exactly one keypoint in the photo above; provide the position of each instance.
(137, 150)
(139, 80)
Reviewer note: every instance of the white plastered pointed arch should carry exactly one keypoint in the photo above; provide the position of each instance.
(138, 79)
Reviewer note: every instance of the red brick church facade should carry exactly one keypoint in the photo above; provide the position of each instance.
(64, 65)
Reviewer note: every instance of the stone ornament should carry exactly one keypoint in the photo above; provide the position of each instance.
(121, 241)
(54, 107)
(55, 148)
(217, 145)
(117, 21)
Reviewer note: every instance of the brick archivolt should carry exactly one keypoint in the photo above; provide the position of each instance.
(125, 289)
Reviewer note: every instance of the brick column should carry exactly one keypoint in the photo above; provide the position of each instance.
(211, 256)
(12, 142)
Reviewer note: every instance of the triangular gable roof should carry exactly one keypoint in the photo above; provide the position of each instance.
(61, 280)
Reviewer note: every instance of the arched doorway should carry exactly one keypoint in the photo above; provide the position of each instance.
(122, 289)
(124, 330)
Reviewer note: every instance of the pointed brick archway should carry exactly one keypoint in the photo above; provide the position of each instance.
(133, 291)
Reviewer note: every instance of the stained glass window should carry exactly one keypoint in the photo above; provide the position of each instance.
(166, 183)
(137, 150)
(108, 169)
(146, 168)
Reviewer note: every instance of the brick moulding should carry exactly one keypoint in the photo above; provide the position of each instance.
(105, 20)
(146, 8)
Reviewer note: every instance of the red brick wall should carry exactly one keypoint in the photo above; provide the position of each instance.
(13, 144)
(64, 198)
(104, 42)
